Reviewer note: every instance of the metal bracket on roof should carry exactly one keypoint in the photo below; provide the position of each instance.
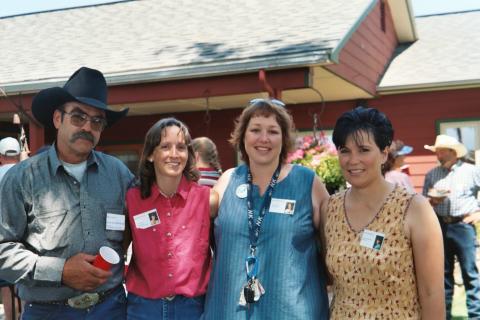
(272, 92)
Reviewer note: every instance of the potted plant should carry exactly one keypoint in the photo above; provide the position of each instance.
(320, 155)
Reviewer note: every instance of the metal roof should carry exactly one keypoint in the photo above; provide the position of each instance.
(445, 55)
(148, 40)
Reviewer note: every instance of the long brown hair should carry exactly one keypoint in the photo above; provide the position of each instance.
(207, 150)
(146, 169)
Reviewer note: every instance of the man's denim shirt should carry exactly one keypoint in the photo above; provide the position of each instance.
(47, 216)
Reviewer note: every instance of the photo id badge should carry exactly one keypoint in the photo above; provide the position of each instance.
(146, 219)
(283, 206)
(371, 239)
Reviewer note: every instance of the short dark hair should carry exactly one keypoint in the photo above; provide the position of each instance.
(361, 119)
(146, 169)
(265, 108)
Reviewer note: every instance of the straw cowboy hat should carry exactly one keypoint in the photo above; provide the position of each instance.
(447, 142)
(87, 86)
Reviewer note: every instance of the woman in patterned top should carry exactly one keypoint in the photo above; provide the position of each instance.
(384, 244)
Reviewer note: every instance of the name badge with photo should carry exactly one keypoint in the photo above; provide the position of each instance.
(371, 239)
(146, 219)
(283, 206)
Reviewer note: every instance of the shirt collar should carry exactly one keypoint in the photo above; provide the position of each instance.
(55, 162)
(456, 165)
(182, 190)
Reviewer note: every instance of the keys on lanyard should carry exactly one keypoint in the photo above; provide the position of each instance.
(253, 289)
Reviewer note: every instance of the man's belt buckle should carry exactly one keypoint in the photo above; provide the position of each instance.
(83, 301)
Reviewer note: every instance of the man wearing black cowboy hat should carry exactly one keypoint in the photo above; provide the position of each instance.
(59, 207)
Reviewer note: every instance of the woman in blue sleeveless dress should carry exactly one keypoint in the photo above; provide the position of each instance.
(267, 262)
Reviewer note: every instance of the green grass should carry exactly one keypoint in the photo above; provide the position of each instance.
(459, 308)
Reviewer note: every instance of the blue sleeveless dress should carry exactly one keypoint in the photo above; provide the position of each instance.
(287, 253)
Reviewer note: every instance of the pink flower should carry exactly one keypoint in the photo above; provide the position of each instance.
(307, 140)
(296, 155)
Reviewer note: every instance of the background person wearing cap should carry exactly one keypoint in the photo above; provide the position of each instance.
(392, 169)
(9, 154)
(59, 207)
(452, 188)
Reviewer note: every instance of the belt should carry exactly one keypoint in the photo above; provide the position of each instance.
(169, 298)
(452, 219)
(82, 301)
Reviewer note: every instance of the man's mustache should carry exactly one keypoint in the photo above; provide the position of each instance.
(82, 135)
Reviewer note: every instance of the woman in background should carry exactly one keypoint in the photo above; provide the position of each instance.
(206, 160)
(392, 169)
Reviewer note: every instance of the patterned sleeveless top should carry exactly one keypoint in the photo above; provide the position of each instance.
(372, 283)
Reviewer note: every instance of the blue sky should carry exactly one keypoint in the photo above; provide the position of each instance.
(13, 7)
(420, 7)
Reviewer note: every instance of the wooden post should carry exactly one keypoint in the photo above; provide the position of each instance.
(36, 137)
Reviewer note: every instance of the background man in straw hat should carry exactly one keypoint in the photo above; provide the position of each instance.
(452, 188)
(59, 207)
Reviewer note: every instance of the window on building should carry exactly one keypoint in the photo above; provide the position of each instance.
(128, 154)
(130, 158)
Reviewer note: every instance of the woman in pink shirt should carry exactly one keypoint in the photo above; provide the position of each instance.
(393, 168)
(169, 222)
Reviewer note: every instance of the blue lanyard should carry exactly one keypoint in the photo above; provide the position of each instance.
(254, 227)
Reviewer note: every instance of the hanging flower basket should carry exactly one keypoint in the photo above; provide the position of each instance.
(320, 155)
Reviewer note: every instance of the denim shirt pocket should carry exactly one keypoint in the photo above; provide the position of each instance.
(114, 235)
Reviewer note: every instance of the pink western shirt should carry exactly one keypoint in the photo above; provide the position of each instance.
(172, 257)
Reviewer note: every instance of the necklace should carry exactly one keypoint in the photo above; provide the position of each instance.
(384, 202)
(168, 196)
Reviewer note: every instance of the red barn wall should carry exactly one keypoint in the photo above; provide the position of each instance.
(367, 53)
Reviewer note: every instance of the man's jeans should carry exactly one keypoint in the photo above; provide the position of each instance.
(113, 307)
(180, 308)
(460, 240)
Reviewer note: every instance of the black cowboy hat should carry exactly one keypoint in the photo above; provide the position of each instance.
(87, 86)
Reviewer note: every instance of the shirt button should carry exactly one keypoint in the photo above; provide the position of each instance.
(169, 214)
(169, 234)
(154, 229)
(183, 227)
(170, 275)
(170, 254)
